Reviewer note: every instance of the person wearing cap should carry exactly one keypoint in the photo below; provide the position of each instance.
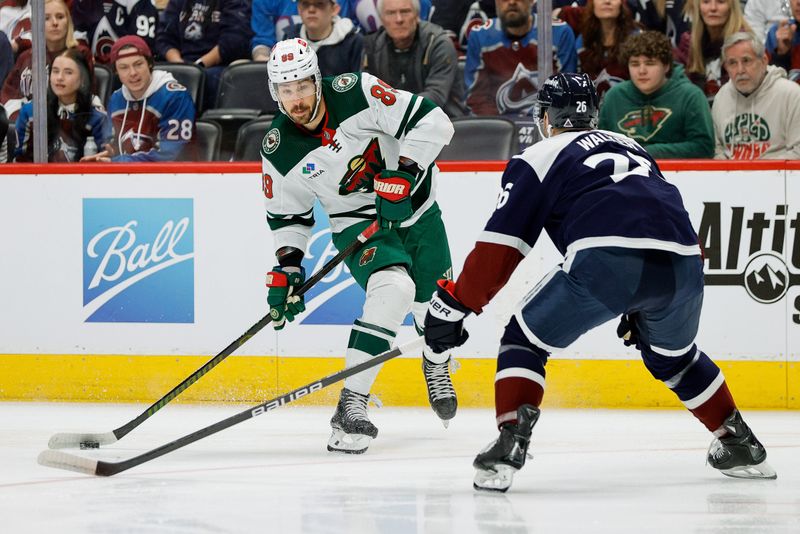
(152, 114)
(208, 33)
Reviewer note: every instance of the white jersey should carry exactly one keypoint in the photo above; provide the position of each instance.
(367, 126)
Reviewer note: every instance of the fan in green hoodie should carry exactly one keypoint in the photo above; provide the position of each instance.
(659, 107)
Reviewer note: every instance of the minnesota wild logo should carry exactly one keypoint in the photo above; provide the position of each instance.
(343, 82)
(362, 169)
(644, 123)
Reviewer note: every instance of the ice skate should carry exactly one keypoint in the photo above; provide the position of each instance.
(352, 429)
(441, 394)
(739, 454)
(496, 464)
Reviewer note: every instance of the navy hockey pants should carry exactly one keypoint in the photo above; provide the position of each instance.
(663, 291)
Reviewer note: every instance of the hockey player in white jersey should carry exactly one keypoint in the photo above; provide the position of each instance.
(629, 250)
(363, 150)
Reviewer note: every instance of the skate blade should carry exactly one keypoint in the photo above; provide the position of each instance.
(762, 470)
(348, 443)
(445, 423)
(499, 479)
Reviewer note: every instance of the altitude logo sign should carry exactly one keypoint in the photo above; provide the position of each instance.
(759, 251)
(336, 299)
(138, 260)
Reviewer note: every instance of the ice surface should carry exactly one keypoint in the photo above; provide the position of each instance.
(592, 471)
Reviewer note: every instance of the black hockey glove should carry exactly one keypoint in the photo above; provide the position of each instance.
(627, 331)
(444, 322)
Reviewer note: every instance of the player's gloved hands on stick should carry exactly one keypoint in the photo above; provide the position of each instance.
(284, 305)
(627, 331)
(444, 322)
(393, 197)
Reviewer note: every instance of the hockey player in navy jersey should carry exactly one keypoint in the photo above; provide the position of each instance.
(629, 250)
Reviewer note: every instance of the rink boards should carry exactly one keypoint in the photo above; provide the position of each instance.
(120, 282)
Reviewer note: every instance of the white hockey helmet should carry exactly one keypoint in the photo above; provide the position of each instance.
(293, 60)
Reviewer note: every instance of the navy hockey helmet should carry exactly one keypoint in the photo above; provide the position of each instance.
(570, 101)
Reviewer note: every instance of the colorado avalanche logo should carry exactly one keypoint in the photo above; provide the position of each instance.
(642, 124)
(518, 94)
(104, 38)
(136, 141)
(362, 169)
(604, 82)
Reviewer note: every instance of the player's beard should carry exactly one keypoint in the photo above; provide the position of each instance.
(301, 112)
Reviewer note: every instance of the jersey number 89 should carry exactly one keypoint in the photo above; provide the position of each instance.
(384, 92)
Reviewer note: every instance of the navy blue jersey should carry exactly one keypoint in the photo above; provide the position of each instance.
(585, 189)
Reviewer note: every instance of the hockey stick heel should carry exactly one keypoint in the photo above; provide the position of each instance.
(68, 440)
(71, 462)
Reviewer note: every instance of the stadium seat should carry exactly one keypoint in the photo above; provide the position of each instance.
(482, 138)
(103, 77)
(190, 76)
(248, 140)
(243, 96)
(208, 136)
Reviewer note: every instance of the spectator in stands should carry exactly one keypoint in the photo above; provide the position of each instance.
(98, 23)
(757, 113)
(783, 43)
(415, 56)
(6, 138)
(15, 23)
(605, 24)
(366, 13)
(58, 36)
(659, 107)
(6, 57)
(666, 16)
(75, 118)
(762, 14)
(336, 40)
(152, 114)
(270, 20)
(700, 49)
(501, 72)
(208, 33)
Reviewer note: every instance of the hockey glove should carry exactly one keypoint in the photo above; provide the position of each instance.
(393, 197)
(283, 304)
(628, 332)
(444, 322)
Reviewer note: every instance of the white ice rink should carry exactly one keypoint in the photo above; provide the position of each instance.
(592, 471)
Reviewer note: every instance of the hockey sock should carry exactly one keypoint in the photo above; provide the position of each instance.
(520, 374)
(701, 386)
(366, 341)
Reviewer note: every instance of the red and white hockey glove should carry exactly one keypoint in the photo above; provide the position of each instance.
(284, 305)
(444, 322)
(393, 197)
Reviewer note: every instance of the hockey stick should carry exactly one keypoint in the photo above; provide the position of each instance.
(71, 462)
(65, 440)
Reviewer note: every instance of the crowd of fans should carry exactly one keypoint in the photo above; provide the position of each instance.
(685, 78)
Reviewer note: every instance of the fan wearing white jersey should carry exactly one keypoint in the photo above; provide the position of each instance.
(365, 151)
